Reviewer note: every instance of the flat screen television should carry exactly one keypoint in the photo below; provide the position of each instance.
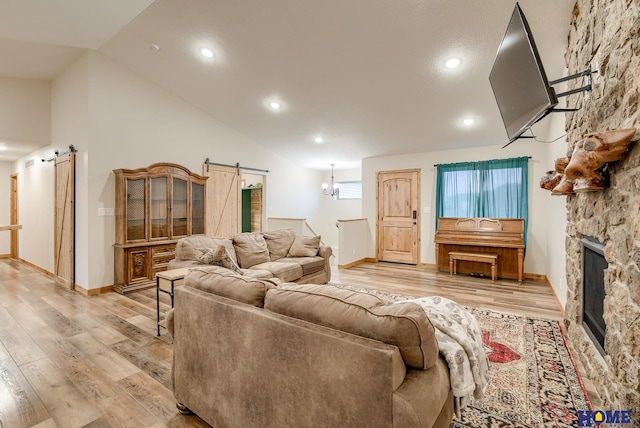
(518, 80)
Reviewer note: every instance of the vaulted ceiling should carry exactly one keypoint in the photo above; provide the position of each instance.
(367, 76)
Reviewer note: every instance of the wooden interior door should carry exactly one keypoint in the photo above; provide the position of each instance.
(223, 200)
(398, 222)
(13, 217)
(64, 253)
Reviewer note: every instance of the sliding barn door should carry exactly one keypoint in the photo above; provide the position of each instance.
(398, 216)
(224, 200)
(64, 253)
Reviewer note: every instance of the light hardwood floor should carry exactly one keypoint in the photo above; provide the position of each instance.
(67, 360)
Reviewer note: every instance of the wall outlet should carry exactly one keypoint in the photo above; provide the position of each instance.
(103, 212)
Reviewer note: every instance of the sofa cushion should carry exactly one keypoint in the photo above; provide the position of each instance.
(404, 325)
(223, 282)
(278, 242)
(257, 273)
(187, 248)
(309, 264)
(286, 271)
(305, 246)
(251, 249)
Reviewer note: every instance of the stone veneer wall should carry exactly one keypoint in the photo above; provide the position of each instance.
(606, 35)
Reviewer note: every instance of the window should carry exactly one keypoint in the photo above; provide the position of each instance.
(350, 190)
(494, 188)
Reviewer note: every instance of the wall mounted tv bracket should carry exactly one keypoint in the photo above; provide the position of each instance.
(586, 73)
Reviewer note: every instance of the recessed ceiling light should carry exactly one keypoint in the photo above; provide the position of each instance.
(275, 105)
(154, 47)
(453, 63)
(468, 121)
(318, 140)
(206, 52)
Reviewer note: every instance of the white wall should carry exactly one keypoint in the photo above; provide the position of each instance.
(556, 217)
(5, 208)
(69, 126)
(25, 114)
(536, 256)
(330, 210)
(25, 117)
(35, 209)
(25, 108)
(352, 247)
(66, 124)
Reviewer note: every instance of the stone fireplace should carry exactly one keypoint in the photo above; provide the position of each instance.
(606, 35)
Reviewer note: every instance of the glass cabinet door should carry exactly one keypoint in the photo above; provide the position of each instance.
(136, 225)
(197, 209)
(179, 210)
(159, 207)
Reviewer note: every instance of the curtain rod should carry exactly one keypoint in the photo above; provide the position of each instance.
(436, 164)
(236, 166)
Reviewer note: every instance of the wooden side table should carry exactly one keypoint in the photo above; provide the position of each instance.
(166, 282)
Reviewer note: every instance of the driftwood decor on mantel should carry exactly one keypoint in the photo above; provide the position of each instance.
(584, 168)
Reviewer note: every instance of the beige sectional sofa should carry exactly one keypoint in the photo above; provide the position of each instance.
(250, 353)
(281, 254)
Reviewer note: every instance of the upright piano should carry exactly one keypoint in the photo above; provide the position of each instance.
(501, 236)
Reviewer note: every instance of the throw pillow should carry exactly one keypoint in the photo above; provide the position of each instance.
(208, 256)
(227, 262)
(251, 249)
(219, 257)
(279, 242)
(305, 246)
(189, 248)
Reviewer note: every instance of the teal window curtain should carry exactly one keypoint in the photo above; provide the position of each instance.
(494, 188)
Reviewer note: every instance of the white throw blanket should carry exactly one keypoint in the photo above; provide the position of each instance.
(460, 341)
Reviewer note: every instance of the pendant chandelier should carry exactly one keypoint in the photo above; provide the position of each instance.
(334, 190)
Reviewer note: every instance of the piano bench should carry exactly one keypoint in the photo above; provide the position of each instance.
(454, 256)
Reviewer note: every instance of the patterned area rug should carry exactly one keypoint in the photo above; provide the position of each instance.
(534, 380)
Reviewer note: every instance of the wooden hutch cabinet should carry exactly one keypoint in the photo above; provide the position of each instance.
(155, 206)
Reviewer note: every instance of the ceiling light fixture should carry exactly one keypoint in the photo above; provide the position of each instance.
(206, 52)
(154, 47)
(275, 105)
(3, 148)
(468, 121)
(318, 140)
(453, 63)
(335, 187)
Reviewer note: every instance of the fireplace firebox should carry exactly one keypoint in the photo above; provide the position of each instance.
(593, 267)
